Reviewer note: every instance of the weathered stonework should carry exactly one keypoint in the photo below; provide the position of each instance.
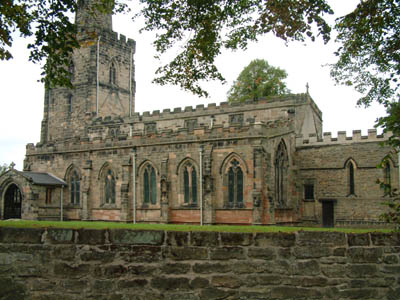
(258, 162)
(125, 264)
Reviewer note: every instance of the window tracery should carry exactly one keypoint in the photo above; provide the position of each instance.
(75, 187)
(109, 187)
(281, 174)
(149, 185)
(113, 74)
(189, 184)
(235, 184)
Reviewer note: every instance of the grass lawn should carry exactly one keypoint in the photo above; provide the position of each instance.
(173, 227)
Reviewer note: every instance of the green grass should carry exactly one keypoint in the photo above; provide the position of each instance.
(174, 227)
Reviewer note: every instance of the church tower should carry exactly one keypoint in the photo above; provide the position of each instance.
(102, 72)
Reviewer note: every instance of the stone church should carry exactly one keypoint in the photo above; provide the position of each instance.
(258, 162)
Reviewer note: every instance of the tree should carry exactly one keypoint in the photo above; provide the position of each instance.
(369, 58)
(54, 34)
(202, 27)
(257, 80)
(4, 168)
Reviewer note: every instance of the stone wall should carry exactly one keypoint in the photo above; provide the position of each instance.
(125, 264)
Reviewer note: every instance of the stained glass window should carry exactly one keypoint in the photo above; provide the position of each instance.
(351, 178)
(109, 188)
(150, 185)
(281, 169)
(75, 188)
(113, 74)
(190, 184)
(235, 185)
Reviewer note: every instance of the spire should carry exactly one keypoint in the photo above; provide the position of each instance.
(88, 17)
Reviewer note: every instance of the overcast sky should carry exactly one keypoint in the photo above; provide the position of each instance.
(21, 100)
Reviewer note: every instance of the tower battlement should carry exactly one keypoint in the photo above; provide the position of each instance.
(342, 138)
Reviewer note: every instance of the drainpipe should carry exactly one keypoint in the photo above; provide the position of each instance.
(97, 76)
(201, 186)
(130, 84)
(134, 186)
(398, 167)
(62, 203)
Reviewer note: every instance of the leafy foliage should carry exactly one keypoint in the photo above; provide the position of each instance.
(54, 34)
(392, 195)
(4, 168)
(257, 80)
(369, 59)
(205, 27)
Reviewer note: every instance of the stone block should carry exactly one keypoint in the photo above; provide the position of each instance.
(312, 252)
(170, 283)
(60, 236)
(358, 239)
(261, 253)
(208, 268)
(135, 284)
(21, 235)
(226, 281)
(142, 254)
(177, 238)
(365, 255)
(199, 283)
(187, 253)
(362, 271)
(71, 271)
(103, 257)
(288, 292)
(320, 238)
(175, 268)
(12, 290)
(136, 237)
(91, 236)
(246, 267)
(204, 239)
(385, 239)
(275, 239)
(307, 268)
(103, 286)
(262, 280)
(358, 294)
(214, 294)
(236, 239)
(143, 270)
(226, 253)
(114, 271)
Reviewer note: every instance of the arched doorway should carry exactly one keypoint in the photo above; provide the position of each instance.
(12, 202)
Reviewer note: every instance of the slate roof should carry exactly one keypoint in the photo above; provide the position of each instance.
(43, 178)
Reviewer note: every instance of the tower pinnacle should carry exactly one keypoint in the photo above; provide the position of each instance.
(91, 16)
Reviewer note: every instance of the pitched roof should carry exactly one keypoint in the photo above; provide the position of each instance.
(43, 178)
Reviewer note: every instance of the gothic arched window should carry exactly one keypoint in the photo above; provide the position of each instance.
(113, 74)
(350, 177)
(71, 71)
(149, 185)
(69, 104)
(75, 188)
(109, 187)
(235, 184)
(281, 174)
(387, 178)
(189, 184)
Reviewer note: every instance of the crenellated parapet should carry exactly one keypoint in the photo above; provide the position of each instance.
(342, 138)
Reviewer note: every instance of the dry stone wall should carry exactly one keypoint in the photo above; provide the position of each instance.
(126, 264)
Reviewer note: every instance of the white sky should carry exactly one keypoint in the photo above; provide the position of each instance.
(21, 97)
